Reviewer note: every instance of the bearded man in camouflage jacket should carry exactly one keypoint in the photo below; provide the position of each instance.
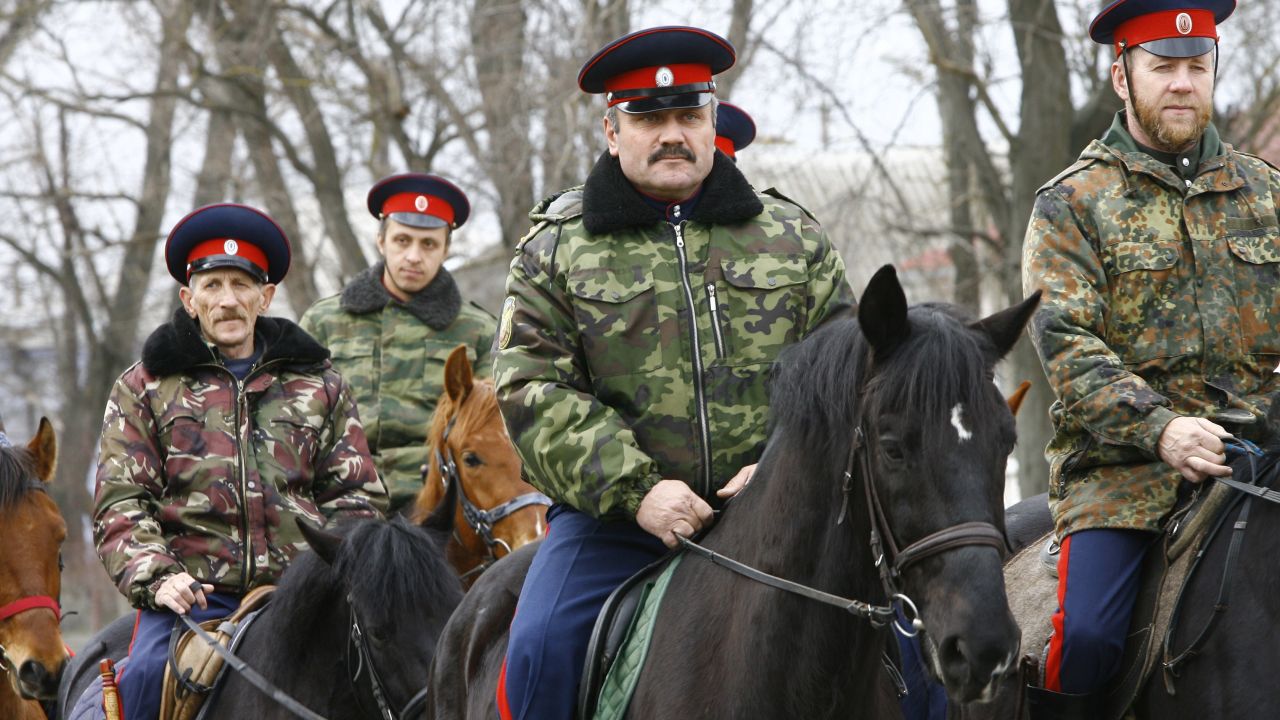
(393, 326)
(232, 428)
(1159, 256)
(644, 312)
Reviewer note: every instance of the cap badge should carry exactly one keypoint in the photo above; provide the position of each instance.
(420, 203)
(664, 77)
(230, 247)
(1183, 22)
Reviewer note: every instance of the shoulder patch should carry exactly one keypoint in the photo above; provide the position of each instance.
(776, 194)
(504, 325)
(1072, 169)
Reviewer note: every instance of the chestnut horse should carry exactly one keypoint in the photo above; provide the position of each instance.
(32, 654)
(497, 510)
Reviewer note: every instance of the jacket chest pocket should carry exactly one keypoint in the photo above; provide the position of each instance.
(1150, 304)
(618, 319)
(290, 442)
(1256, 269)
(185, 440)
(761, 305)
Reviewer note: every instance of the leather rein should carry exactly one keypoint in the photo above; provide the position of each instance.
(890, 564)
(480, 520)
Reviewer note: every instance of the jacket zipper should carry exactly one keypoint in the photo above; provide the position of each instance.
(699, 394)
(247, 565)
(715, 320)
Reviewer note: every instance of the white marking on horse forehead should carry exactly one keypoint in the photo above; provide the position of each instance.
(957, 422)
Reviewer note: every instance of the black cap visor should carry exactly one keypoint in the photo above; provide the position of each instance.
(665, 102)
(1179, 47)
(214, 262)
(418, 220)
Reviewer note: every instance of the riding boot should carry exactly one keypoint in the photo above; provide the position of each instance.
(1048, 705)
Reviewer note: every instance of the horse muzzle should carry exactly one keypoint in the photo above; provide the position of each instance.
(34, 680)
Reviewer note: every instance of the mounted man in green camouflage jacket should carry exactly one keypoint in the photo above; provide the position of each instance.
(644, 313)
(231, 429)
(394, 325)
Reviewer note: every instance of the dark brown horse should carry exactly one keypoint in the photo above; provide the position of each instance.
(887, 449)
(32, 654)
(497, 511)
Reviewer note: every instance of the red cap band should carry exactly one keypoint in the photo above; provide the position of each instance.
(726, 146)
(656, 76)
(419, 203)
(1164, 24)
(227, 246)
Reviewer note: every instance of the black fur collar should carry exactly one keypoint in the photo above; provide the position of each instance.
(610, 203)
(437, 304)
(177, 346)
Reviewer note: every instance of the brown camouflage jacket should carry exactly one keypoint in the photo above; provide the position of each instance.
(1160, 300)
(200, 472)
(393, 355)
(631, 349)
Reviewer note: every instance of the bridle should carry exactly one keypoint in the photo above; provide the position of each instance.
(26, 602)
(480, 520)
(890, 564)
(357, 648)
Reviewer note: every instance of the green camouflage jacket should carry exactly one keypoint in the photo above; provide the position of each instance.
(1160, 300)
(393, 355)
(631, 349)
(202, 473)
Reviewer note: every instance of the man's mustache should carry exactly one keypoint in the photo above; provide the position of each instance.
(672, 152)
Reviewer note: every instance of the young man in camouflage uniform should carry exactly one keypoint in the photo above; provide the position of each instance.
(393, 326)
(644, 312)
(1158, 254)
(232, 427)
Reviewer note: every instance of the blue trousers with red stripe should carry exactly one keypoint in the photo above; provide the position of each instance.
(141, 675)
(1098, 576)
(580, 562)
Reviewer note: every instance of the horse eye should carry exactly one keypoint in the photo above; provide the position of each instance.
(472, 459)
(892, 450)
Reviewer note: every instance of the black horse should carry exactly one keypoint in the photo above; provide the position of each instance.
(904, 399)
(388, 579)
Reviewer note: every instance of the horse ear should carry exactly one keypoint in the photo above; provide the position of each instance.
(441, 518)
(457, 375)
(882, 312)
(1005, 327)
(44, 449)
(1015, 399)
(324, 543)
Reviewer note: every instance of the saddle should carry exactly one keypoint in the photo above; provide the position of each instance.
(1164, 577)
(195, 668)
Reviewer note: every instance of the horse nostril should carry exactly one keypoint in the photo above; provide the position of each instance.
(37, 680)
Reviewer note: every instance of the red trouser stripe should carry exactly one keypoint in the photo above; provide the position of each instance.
(1053, 658)
(504, 710)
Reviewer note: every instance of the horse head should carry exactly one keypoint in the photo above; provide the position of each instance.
(936, 437)
(497, 510)
(32, 653)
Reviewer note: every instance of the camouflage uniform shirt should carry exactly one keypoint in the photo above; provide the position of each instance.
(393, 355)
(631, 349)
(1160, 300)
(202, 473)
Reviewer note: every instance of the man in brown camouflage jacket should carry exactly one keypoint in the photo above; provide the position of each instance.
(1159, 256)
(644, 312)
(232, 428)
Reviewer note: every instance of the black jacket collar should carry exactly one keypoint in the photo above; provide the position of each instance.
(437, 304)
(177, 346)
(610, 203)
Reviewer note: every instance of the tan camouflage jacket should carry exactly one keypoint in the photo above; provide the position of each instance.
(1160, 300)
(631, 349)
(393, 356)
(200, 472)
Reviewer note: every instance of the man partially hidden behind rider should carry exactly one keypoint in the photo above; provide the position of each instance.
(1159, 330)
(643, 313)
(232, 426)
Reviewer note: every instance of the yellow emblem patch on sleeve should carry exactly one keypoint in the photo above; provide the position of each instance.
(504, 324)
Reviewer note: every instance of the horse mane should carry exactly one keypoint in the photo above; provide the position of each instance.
(817, 384)
(390, 569)
(17, 467)
(477, 409)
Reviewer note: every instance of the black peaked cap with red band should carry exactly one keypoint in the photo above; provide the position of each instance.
(227, 235)
(419, 200)
(658, 68)
(1169, 28)
(734, 128)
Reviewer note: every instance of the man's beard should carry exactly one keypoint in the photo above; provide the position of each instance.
(1170, 137)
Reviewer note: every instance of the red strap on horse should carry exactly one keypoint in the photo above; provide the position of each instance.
(32, 602)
